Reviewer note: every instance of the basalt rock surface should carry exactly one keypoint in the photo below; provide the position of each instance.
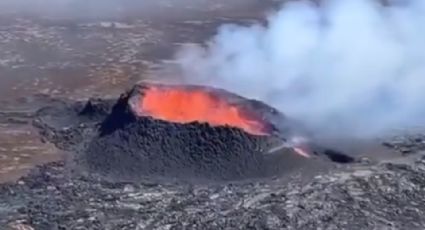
(384, 196)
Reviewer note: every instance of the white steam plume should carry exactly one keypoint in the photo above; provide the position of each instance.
(346, 67)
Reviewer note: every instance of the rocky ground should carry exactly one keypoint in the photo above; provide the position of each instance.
(383, 196)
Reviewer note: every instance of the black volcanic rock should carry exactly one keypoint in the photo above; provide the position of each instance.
(385, 196)
(149, 147)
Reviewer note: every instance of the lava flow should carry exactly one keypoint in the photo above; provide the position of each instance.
(184, 105)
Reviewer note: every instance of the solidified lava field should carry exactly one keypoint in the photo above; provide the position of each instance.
(91, 192)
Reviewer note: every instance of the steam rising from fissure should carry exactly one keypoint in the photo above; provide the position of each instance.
(346, 67)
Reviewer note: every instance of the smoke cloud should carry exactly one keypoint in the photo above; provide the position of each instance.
(344, 67)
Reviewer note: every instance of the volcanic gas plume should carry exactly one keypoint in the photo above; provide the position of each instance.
(189, 104)
(342, 67)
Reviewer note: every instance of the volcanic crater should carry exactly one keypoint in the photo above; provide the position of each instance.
(172, 131)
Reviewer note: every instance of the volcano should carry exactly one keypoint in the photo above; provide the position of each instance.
(175, 131)
(184, 131)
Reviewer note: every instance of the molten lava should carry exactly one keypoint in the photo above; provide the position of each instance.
(185, 105)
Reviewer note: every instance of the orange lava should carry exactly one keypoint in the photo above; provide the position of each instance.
(183, 105)
(301, 151)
